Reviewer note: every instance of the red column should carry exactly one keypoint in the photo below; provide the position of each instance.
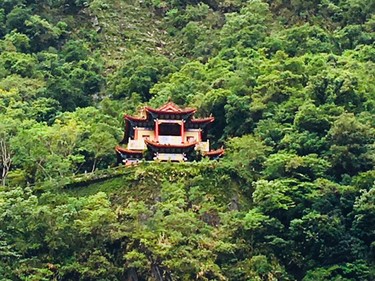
(200, 135)
(156, 130)
(135, 133)
(182, 131)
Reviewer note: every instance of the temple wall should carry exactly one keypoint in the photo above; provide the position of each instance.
(171, 139)
(151, 133)
(145, 132)
(194, 134)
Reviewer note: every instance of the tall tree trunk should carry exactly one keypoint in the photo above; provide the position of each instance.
(94, 165)
(131, 275)
(6, 160)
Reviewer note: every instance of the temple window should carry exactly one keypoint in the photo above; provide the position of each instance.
(170, 129)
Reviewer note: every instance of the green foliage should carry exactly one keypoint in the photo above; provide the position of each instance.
(248, 27)
(42, 33)
(351, 145)
(348, 271)
(245, 162)
(18, 63)
(285, 165)
(75, 83)
(16, 18)
(138, 75)
(364, 216)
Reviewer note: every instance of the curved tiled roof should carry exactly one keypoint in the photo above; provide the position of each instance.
(170, 107)
(217, 152)
(127, 151)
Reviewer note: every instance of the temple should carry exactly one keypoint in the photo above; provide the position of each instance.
(168, 133)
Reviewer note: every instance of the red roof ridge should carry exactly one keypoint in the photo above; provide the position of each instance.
(170, 107)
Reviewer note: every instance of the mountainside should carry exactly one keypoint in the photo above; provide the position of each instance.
(291, 86)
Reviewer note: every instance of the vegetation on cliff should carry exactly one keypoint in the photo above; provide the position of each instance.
(291, 85)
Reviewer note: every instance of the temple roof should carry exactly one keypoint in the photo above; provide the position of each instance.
(167, 108)
(133, 118)
(203, 120)
(213, 153)
(170, 107)
(127, 151)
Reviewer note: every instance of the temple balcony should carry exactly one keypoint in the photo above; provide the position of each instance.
(136, 144)
(177, 157)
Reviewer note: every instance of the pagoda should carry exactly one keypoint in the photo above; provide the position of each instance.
(167, 133)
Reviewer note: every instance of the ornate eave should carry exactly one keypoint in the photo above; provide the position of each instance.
(134, 118)
(215, 153)
(122, 150)
(203, 120)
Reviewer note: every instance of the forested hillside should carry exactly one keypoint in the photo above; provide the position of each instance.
(291, 86)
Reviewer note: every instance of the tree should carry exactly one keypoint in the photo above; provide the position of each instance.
(238, 116)
(18, 63)
(17, 17)
(20, 41)
(364, 218)
(99, 135)
(74, 84)
(42, 33)
(47, 152)
(351, 145)
(245, 162)
(307, 38)
(358, 270)
(2, 23)
(8, 129)
(247, 28)
(290, 165)
(320, 237)
(312, 119)
(138, 75)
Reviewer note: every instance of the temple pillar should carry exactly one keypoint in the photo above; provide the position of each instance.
(182, 131)
(135, 133)
(156, 130)
(200, 135)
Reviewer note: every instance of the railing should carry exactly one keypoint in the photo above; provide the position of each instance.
(170, 157)
(203, 146)
(170, 139)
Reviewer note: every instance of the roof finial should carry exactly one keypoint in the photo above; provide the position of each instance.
(169, 99)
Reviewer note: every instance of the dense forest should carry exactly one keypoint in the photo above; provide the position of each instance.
(291, 86)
